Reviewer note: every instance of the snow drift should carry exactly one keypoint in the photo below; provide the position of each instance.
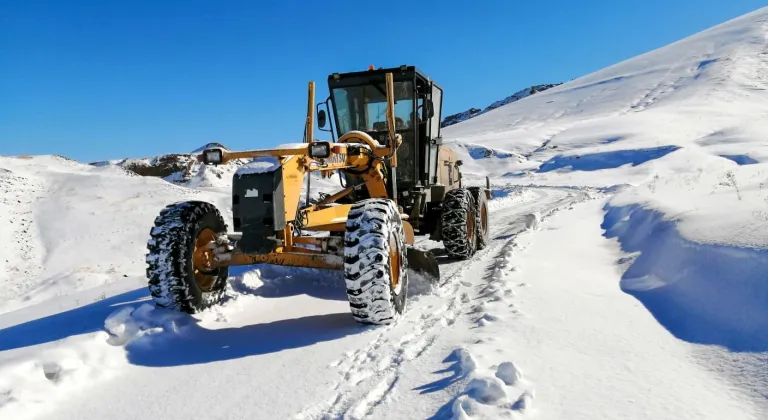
(702, 293)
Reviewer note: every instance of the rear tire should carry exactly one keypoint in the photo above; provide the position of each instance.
(375, 262)
(481, 212)
(173, 281)
(458, 224)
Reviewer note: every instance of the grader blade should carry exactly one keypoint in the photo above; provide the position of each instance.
(423, 263)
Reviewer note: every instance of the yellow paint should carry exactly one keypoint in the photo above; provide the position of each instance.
(293, 176)
(394, 144)
(410, 237)
(327, 218)
(292, 259)
(310, 125)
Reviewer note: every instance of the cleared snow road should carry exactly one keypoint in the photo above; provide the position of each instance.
(304, 355)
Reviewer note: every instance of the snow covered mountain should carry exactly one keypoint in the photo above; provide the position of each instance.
(624, 278)
(473, 112)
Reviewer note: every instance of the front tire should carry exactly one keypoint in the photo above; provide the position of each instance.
(375, 263)
(179, 239)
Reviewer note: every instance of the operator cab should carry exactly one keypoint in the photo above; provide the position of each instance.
(359, 102)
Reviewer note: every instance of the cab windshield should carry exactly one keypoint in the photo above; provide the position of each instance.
(364, 107)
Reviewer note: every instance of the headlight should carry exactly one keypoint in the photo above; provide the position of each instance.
(320, 149)
(212, 156)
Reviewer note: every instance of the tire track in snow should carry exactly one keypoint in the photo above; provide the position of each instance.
(653, 95)
(381, 361)
(664, 87)
(499, 390)
(383, 356)
(490, 391)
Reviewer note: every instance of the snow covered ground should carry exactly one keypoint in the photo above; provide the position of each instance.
(625, 277)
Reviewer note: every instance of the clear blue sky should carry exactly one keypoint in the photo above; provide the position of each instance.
(96, 80)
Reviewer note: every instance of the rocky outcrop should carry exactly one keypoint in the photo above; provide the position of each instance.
(461, 116)
(160, 166)
(174, 167)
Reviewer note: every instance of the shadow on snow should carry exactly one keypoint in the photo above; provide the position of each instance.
(193, 344)
(275, 282)
(456, 375)
(605, 160)
(82, 320)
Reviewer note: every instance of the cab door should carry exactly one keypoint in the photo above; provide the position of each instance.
(433, 106)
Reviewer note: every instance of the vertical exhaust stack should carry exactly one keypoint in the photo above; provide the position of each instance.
(309, 128)
(390, 107)
(394, 138)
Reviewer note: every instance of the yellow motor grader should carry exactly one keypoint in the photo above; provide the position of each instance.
(398, 180)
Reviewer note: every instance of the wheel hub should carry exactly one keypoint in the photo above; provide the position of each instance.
(394, 261)
(202, 259)
(484, 218)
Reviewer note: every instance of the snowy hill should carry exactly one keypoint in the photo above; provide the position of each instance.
(625, 277)
(473, 112)
(61, 218)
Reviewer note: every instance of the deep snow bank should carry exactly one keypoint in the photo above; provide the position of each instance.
(701, 293)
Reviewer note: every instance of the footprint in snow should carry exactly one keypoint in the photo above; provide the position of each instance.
(532, 221)
(487, 319)
(447, 321)
(496, 298)
(465, 362)
(52, 371)
(509, 373)
(480, 307)
(489, 290)
(488, 391)
(524, 401)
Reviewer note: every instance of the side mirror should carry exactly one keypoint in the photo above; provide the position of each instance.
(430, 109)
(459, 162)
(321, 118)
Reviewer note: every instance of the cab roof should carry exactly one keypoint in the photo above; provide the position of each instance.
(402, 71)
